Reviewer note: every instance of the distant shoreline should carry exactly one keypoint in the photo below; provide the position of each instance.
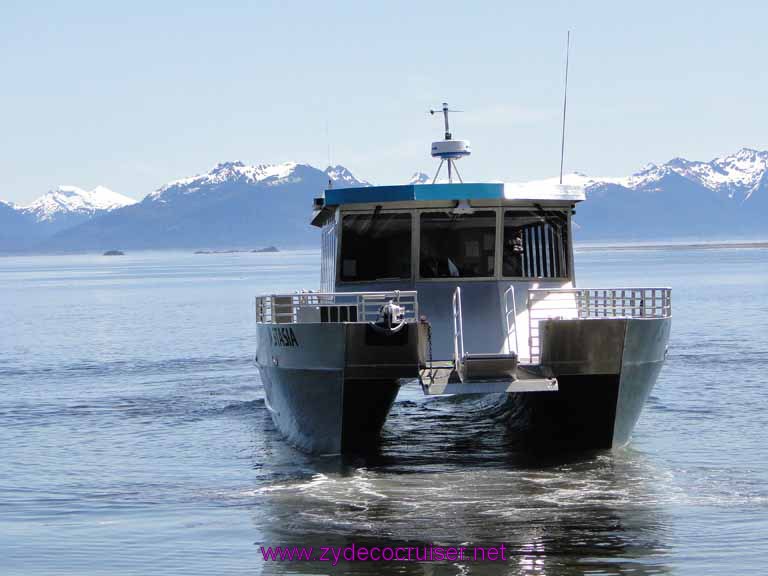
(579, 247)
(703, 245)
(267, 250)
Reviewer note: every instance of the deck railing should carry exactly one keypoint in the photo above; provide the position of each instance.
(584, 303)
(458, 327)
(331, 306)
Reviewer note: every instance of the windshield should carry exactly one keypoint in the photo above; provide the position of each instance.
(457, 245)
(376, 247)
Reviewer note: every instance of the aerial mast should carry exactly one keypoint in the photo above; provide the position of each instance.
(565, 105)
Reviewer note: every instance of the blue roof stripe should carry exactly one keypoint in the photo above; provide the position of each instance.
(458, 191)
(372, 194)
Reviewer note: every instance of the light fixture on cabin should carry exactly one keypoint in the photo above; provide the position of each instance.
(463, 207)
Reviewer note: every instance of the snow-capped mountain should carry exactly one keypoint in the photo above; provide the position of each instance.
(237, 205)
(231, 205)
(269, 175)
(24, 227)
(66, 200)
(736, 175)
(225, 173)
(340, 175)
(420, 178)
(726, 197)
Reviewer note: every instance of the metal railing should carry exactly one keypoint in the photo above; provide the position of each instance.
(510, 317)
(458, 328)
(331, 306)
(590, 303)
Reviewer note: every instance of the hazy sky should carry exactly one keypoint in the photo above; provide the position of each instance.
(133, 94)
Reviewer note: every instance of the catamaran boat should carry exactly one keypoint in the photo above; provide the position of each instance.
(469, 289)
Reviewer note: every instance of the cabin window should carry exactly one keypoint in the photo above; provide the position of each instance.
(457, 245)
(375, 247)
(535, 244)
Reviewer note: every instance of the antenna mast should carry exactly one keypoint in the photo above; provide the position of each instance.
(448, 150)
(328, 145)
(565, 104)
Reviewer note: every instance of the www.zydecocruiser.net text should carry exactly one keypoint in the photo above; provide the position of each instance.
(358, 553)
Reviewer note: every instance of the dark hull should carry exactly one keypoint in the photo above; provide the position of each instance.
(580, 415)
(601, 395)
(366, 407)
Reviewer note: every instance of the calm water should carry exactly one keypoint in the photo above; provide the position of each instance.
(134, 437)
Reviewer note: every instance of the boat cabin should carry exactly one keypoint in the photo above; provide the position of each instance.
(495, 241)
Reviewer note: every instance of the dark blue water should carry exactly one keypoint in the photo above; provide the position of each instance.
(134, 438)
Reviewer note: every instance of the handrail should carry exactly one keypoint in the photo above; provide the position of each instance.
(592, 303)
(651, 302)
(332, 306)
(513, 312)
(458, 327)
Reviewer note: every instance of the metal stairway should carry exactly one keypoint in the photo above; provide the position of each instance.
(484, 373)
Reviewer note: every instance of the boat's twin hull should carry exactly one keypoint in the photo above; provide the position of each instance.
(318, 411)
(329, 387)
(606, 369)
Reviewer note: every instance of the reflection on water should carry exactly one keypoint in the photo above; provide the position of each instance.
(445, 476)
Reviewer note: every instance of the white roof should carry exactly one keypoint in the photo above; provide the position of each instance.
(549, 189)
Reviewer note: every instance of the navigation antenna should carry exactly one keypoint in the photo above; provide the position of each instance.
(565, 103)
(449, 150)
(328, 144)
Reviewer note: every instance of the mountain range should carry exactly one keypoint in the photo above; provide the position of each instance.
(725, 198)
(237, 205)
(234, 205)
(26, 227)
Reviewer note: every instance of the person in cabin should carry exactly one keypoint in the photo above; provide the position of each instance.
(513, 252)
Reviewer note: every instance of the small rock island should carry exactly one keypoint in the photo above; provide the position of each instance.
(114, 253)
